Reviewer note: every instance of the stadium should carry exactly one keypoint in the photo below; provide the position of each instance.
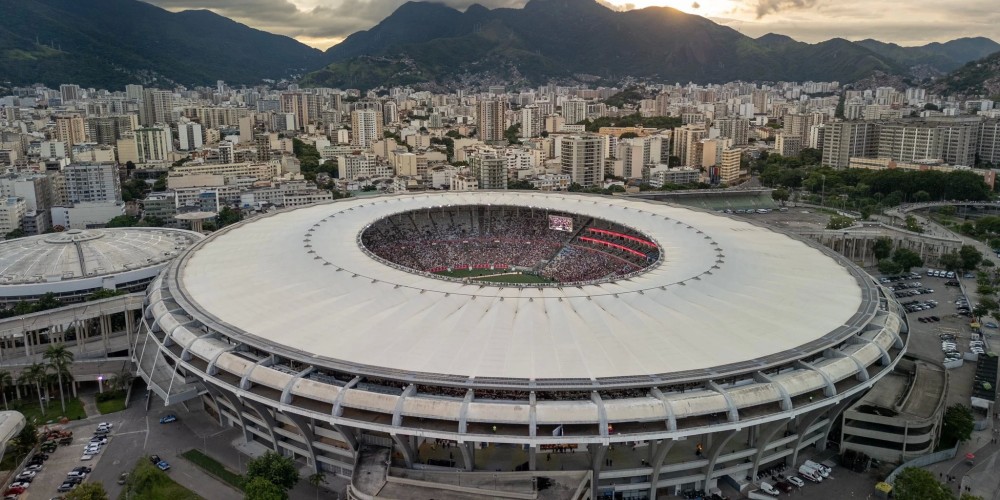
(519, 344)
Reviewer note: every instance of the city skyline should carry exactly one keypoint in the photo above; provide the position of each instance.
(324, 23)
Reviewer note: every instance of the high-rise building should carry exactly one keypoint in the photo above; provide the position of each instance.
(846, 140)
(531, 121)
(737, 129)
(366, 127)
(788, 145)
(390, 112)
(91, 182)
(907, 142)
(69, 93)
(489, 170)
(36, 190)
(491, 121)
(957, 142)
(686, 143)
(153, 144)
(12, 210)
(134, 92)
(157, 107)
(988, 143)
(729, 168)
(189, 135)
(582, 158)
(108, 129)
(70, 129)
(304, 106)
(574, 111)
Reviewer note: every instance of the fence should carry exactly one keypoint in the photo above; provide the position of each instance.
(930, 458)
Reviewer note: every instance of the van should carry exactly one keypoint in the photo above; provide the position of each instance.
(820, 467)
(767, 488)
(810, 474)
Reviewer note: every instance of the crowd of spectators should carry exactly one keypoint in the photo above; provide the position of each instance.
(575, 263)
(501, 238)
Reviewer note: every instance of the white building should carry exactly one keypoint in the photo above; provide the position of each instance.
(190, 136)
(87, 215)
(366, 127)
(12, 211)
(153, 144)
(92, 182)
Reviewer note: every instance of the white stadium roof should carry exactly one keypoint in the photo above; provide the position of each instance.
(77, 253)
(726, 292)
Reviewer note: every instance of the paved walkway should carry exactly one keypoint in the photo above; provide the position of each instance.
(89, 404)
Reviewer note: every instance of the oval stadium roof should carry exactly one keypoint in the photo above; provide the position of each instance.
(727, 292)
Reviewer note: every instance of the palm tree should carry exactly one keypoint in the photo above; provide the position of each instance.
(59, 359)
(317, 479)
(35, 374)
(5, 379)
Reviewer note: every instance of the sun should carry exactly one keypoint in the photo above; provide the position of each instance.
(705, 8)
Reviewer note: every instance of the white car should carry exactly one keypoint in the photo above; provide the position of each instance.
(92, 450)
(86, 456)
(33, 468)
(796, 481)
(20, 484)
(27, 473)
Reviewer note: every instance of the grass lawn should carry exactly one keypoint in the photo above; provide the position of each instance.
(112, 405)
(213, 467)
(515, 278)
(30, 409)
(149, 483)
(494, 276)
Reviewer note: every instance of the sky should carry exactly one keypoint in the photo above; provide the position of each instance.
(323, 23)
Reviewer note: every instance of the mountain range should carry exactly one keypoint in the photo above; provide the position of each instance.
(562, 39)
(108, 43)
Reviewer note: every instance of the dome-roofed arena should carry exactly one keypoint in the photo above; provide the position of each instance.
(620, 344)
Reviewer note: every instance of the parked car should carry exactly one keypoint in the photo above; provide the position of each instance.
(122, 477)
(163, 465)
(66, 486)
(168, 419)
(87, 456)
(155, 459)
(84, 469)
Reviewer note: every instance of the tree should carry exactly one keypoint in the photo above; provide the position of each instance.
(317, 480)
(13, 235)
(970, 257)
(951, 261)
(957, 425)
(26, 440)
(912, 224)
(59, 358)
(780, 195)
(229, 216)
(839, 222)
(984, 306)
(883, 248)
(907, 259)
(919, 484)
(258, 488)
(274, 468)
(889, 267)
(921, 196)
(948, 210)
(123, 221)
(91, 490)
(5, 380)
(35, 374)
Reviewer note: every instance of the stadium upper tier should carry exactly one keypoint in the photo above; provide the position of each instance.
(724, 298)
(77, 262)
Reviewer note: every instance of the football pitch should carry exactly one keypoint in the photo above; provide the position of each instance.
(495, 276)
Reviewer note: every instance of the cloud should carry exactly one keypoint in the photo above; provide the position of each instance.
(765, 7)
(696, 5)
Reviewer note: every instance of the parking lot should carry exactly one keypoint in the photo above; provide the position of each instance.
(61, 461)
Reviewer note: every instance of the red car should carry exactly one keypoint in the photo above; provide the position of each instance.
(17, 490)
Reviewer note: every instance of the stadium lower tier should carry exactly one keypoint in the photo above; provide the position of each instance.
(637, 440)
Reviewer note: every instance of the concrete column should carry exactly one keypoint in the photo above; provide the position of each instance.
(27, 343)
(308, 437)
(265, 414)
(532, 458)
(403, 446)
(598, 452)
(659, 454)
(468, 451)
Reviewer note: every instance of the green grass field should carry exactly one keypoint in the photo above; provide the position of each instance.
(495, 276)
(28, 406)
(213, 467)
(149, 483)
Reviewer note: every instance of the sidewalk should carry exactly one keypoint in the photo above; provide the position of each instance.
(89, 404)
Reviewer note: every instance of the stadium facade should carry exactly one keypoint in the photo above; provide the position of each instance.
(736, 349)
